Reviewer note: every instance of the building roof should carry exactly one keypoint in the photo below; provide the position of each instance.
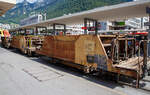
(106, 13)
(5, 5)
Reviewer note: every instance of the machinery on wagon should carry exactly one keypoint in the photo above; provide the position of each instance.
(26, 41)
(5, 38)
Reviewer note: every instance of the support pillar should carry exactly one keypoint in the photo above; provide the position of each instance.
(54, 28)
(64, 29)
(148, 24)
(88, 25)
(36, 31)
(25, 31)
(85, 25)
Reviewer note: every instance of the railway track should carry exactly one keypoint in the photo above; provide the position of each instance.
(107, 77)
(144, 84)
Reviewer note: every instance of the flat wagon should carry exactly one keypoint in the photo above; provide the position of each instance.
(26, 42)
(89, 53)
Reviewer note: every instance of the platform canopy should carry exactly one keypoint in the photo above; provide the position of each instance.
(5, 5)
(107, 13)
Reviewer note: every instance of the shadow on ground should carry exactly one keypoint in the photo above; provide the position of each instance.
(73, 71)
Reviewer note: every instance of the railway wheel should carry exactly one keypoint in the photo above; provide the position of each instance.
(8, 46)
(29, 53)
(86, 70)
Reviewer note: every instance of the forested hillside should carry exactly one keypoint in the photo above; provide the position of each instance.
(53, 8)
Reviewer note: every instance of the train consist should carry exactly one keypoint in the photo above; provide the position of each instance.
(110, 53)
(116, 53)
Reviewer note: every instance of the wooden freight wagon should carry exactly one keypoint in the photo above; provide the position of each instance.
(27, 44)
(111, 53)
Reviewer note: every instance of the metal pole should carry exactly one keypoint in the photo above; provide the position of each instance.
(46, 31)
(25, 31)
(54, 28)
(149, 21)
(145, 56)
(138, 71)
(96, 27)
(85, 26)
(64, 29)
(36, 31)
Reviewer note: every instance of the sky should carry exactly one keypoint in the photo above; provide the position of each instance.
(31, 1)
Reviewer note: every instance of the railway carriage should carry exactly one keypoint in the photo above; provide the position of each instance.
(27, 43)
(96, 52)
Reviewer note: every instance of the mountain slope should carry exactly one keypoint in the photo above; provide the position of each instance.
(53, 8)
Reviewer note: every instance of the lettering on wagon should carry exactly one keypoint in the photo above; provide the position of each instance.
(89, 47)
